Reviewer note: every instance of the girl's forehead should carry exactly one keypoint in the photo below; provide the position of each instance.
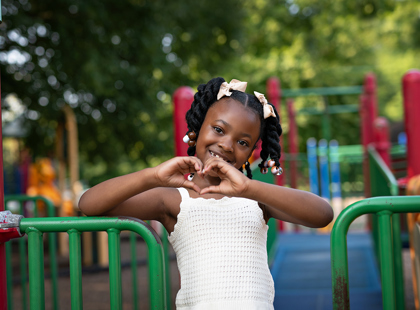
(233, 111)
(228, 104)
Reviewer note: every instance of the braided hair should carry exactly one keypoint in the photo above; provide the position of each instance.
(270, 129)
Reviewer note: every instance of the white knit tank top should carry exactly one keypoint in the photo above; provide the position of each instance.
(221, 254)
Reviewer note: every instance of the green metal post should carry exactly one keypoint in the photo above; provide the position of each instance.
(167, 267)
(398, 263)
(52, 245)
(383, 183)
(156, 262)
(387, 261)
(114, 252)
(23, 273)
(134, 269)
(36, 269)
(384, 207)
(75, 269)
(9, 275)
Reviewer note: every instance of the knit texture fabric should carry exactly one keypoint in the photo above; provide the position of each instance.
(221, 254)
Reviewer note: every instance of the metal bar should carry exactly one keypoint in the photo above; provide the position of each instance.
(313, 166)
(324, 169)
(134, 269)
(339, 264)
(398, 263)
(75, 269)
(322, 91)
(332, 109)
(386, 261)
(383, 170)
(114, 253)
(156, 264)
(9, 275)
(23, 273)
(52, 246)
(36, 269)
(167, 267)
(52, 242)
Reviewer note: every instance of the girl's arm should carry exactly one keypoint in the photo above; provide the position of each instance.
(282, 203)
(292, 205)
(140, 194)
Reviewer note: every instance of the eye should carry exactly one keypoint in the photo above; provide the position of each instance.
(218, 129)
(243, 143)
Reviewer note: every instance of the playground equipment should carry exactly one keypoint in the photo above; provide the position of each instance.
(74, 226)
(24, 202)
(384, 207)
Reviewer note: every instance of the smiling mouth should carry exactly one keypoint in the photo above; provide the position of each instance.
(218, 156)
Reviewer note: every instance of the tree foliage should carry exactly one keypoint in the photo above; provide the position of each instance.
(117, 64)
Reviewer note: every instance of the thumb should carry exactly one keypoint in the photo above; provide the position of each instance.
(191, 185)
(210, 189)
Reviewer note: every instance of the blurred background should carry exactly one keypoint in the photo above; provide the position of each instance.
(117, 64)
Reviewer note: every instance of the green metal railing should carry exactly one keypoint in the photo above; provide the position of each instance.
(52, 246)
(133, 266)
(384, 208)
(383, 183)
(74, 226)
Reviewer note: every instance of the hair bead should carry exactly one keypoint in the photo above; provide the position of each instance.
(192, 135)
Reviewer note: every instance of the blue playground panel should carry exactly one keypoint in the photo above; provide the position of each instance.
(302, 272)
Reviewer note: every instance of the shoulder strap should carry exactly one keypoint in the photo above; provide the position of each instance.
(184, 193)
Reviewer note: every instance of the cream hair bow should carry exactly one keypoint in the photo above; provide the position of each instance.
(225, 88)
(268, 109)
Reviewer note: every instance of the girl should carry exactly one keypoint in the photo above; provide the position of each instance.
(217, 219)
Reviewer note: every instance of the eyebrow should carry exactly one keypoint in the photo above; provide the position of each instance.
(228, 125)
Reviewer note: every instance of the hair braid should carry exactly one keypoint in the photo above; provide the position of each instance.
(205, 96)
(270, 140)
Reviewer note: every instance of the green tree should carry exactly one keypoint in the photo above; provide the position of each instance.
(115, 64)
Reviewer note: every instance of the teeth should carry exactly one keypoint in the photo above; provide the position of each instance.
(215, 155)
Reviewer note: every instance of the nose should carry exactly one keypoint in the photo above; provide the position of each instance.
(226, 144)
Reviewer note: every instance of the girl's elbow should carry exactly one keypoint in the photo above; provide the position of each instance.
(84, 206)
(327, 216)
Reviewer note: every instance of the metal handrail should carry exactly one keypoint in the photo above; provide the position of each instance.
(384, 208)
(52, 241)
(35, 227)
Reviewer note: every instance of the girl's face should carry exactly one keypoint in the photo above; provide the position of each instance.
(229, 131)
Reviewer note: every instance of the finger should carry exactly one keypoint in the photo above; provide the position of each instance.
(219, 168)
(199, 168)
(190, 164)
(210, 189)
(212, 164)
(192, 185)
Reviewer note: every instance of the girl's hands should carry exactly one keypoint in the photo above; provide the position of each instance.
(171, 173)
(233, 182)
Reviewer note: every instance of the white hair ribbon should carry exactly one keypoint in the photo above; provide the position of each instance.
(268, 109)
(225, 88)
